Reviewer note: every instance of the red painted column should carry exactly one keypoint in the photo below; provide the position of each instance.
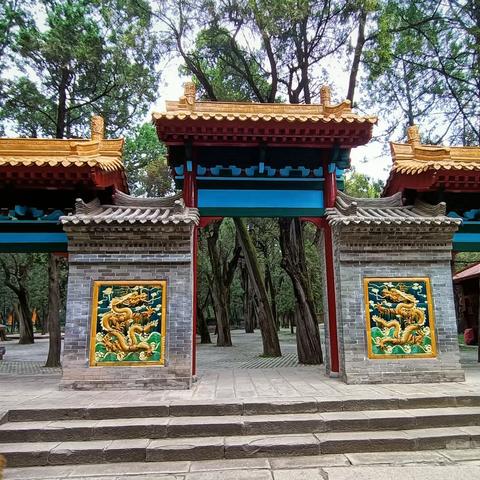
(190, 199)
(330, 193)
(330, 188)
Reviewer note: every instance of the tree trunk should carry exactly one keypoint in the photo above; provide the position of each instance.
(202, 326)
(293, 261)
(222, 277)
(271, 291)
(221, 301)
(357, 55)
(62, 104)
(53, 314)
(25, 326)
(271, 345)
(251, 311)
(248, 305)
(24, 318)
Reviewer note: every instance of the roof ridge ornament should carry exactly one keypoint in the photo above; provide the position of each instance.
(325, 95)
(413, 135)
(97, 128)
(84, 208)
(189, 93)
(424, 208)
(344, 201)
(123, 199)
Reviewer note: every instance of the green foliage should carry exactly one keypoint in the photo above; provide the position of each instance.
(465, 259)
(37, 283)
(261, 50)
(362, 186)
(76, 58)
(13, 14)
(225, 62)
(423, 66)
(146, 164)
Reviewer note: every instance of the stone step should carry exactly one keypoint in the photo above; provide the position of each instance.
(251, 446)
(228, 425)
(254, 407)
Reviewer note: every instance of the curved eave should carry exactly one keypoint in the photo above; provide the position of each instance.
(262, 117)
(435, 154)
(107, 164)
(300, 131)
(32, 175)
(454, 180)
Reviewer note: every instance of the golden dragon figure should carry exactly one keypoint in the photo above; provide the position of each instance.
(405, 311)
(120, 319)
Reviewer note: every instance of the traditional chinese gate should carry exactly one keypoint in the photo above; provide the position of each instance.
(387, 265)
(263, 160)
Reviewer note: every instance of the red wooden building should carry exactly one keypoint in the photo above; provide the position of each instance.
(436, 173)
(41, 178)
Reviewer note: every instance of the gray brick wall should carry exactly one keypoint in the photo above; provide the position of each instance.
(393, 251)
(133, 252)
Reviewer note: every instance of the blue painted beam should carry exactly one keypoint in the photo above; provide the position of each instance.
(33, 242)
(260, 203)
(466, 242)
(4, 220)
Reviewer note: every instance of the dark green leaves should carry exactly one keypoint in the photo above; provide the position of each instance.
(77, 59)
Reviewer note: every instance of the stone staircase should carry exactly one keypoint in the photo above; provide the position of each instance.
(194, 431)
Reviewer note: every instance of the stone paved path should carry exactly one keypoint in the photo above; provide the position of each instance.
(286, 360)
(220, 379)
(424, 465)
(223, 378)
(27, 368)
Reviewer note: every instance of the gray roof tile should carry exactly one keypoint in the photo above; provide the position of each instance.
(127, 209)
(386, 211)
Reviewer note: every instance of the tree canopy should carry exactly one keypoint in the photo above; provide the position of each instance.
(75, 58)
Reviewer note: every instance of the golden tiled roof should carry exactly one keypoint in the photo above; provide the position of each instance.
(413, 157)
(95, 152)
(187, 108)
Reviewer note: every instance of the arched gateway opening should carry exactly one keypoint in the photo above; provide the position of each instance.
(131, 309)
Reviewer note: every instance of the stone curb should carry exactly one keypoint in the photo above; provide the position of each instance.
(237, 425)
(207, 448)
(257, 407)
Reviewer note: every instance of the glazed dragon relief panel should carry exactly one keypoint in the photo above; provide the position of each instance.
(128, 323)
(400, 320)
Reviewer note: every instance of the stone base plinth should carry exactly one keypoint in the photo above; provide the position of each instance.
(124, 378)
(436, 376)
